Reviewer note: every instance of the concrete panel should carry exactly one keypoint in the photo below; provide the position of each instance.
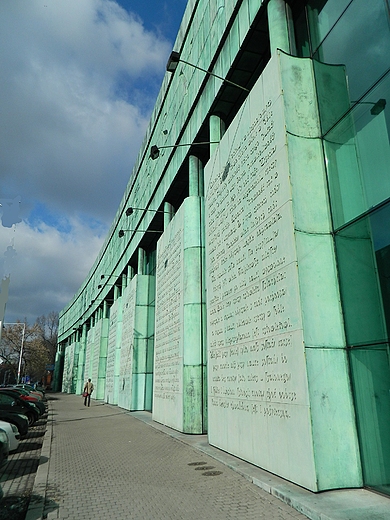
(113, 344)
(89, 354)
(256, 367)
(178, 370)
(168, 348)
(69, 367)
(335, 440)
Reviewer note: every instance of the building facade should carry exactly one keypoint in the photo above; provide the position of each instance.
(243, 289)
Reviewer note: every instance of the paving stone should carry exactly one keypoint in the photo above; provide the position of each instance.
(104, 462)
(108, 464)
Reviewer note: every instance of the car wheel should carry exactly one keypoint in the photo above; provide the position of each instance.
(30, 418)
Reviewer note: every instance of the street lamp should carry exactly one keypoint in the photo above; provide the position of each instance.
(21, 348)
(121, 232)
(155, 150)
(131, 210)
(175, 59)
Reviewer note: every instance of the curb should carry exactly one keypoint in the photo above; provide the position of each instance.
(38, 494)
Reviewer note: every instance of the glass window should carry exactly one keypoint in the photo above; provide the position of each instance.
(371, 382)
(322, 16)
(357, 152)
(363, 254)
(359, 282)
(360, 41)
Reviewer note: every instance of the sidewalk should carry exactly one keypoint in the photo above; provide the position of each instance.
(105, 462)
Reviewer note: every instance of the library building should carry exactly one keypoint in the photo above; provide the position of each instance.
(243, 289)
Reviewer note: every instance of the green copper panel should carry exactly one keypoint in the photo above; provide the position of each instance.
(361, 294)
(335, 443)
(318, 281)
(370, 369)
(192, 409)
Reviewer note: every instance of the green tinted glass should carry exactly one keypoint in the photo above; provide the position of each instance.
(363, 254)
(371, 382)
(357, 154)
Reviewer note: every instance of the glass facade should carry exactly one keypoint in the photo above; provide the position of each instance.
(349, 42)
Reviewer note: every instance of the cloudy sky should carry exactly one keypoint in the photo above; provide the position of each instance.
(78, 82)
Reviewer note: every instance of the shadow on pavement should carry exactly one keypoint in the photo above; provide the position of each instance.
(29, 446)
(17, 468)
(14, 508)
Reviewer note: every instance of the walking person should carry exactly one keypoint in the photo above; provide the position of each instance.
(88, 389)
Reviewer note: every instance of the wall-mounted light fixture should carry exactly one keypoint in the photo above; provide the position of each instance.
(121, 232)
(103, 276)
(377, 107)
(174, 60)
(108, 285)
(130, 210)
(155, 150)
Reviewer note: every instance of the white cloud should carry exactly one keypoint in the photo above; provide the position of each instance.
(49, 267)
(79, 80)
(69, 73)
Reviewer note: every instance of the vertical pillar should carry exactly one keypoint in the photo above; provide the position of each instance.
(130, 274)
(116, 292)
(193, 322)
(141, 261)
(193, 337)
(168, 213)
(196, 185)
(124, 281)
(278, 26)
(59, 367)
(217, 129)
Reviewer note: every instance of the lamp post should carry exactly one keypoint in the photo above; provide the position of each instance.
(175, 59)
(121, 232)
(21, 347)
(155, 150)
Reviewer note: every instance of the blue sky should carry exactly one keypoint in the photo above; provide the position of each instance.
(79, 80)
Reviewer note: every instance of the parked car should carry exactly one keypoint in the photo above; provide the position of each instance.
(18, 419)
(14, 392)
(10, 403)
(12, 434)
(4, 450)
(26, 396)
(30, 389)
(39, 387)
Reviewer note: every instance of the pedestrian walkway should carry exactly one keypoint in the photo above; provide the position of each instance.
(104, 462)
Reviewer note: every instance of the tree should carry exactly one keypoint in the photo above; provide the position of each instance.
(49, 333)
(38, 344)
